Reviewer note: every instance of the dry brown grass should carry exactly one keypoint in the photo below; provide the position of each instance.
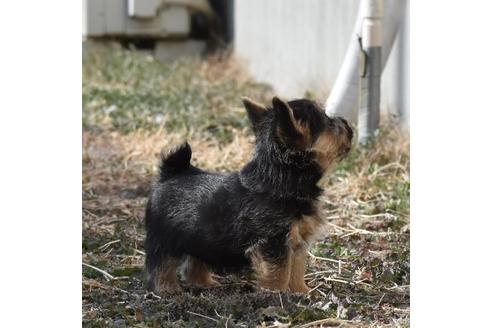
(359, 272)
(363, 257)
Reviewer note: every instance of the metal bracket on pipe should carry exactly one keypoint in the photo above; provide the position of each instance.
(365, 58)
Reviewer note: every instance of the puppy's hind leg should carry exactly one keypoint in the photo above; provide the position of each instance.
(160, 265)
(197, 273)
(165, 277)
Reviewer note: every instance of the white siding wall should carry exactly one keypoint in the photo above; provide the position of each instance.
(299, 45)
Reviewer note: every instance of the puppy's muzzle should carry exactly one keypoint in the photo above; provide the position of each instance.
(344, 129)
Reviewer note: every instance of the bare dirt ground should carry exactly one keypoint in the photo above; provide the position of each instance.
(133, 107)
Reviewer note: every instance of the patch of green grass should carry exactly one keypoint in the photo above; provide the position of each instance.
(349, 164)
(311, 314)
(127, 90)
(126, 271)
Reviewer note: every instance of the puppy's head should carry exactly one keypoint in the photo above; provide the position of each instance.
(301, 126)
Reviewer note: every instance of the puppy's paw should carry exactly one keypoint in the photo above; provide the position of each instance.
(273, 286)
(168, 287)
(209, 282)
(300, 288)
(205, 281)
(198, 274)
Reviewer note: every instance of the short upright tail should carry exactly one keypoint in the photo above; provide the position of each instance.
(175, 160)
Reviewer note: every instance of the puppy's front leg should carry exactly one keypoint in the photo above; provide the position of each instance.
(297, 283)
(301, 234)
(273, 272)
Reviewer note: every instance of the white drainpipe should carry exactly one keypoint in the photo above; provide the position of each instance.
(370, 72)
(344, 96)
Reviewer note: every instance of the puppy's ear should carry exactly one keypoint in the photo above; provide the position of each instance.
(255, 111)
(287, 127)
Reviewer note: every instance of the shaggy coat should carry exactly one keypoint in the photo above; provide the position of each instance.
(263, 216)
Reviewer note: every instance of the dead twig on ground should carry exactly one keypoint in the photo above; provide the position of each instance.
(330, 321)
(324, 258)
(203, 316)
(104, 273)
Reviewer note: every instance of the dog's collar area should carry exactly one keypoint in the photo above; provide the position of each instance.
(297, 158)
(295, 180)
(306, 195)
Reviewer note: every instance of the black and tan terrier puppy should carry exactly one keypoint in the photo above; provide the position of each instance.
(264, 216)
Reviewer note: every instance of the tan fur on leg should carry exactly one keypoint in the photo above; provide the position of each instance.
(166, 279)
(296, 283)
(273, 276)
(197, 273)
(301, 235)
